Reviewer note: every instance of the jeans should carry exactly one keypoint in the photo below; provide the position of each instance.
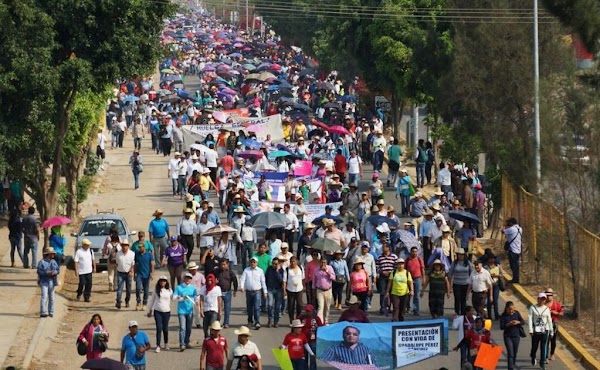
(141, 283)
(227, 297)
(274, 299)
(290, 236)
(114, 140)
(85, 286)
(420, 174)
(512, 349)
(123, 278)
(381, 287)
(299, 364)
(496, 295)
(353, 178)
(294, 304)
(428, 166)
(188, 243)
(541, 340)
(311, 361)
(15, 245)
(404, 200)
(47, 301)
(175, 185)
(377, 160)
(222, 200)
(137, 143)
(417, 282)
(31, 244)
(253, 299)
(181, 185)
(513, 260)
(136, 178)
(552, 341)
(460, 298)
(246, 253)
(338, 292)
(209, 318)
(161, 319)
(185, 328)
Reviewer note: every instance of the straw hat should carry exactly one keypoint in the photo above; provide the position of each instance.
(354, 300)
(215, 326)
(309, 225)
(158, 212)
(297, 324)
(189, 197)
(437, 262)
(192, 266)
(49, 250)
(339, 251)
(188, 210)
(446, 229)
(328, 222)
(358, 260)
(243, 331)
(239, 210)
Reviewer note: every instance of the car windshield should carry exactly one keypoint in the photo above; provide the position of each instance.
(101, 227)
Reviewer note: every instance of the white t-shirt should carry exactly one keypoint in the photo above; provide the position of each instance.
(125, 261)
(379, 144)
(211, 158)
(84, 260)
(174, 168)
(354, 165)
(211, 301)
(183, 166)
(101, 141)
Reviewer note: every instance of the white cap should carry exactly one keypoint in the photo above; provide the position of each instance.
(133, 323)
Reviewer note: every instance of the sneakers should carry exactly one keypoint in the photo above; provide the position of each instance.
(181, 348)
(167, 347)
(225, 326)
(118, 305)
(138, 307)
(157, 349)
(534, 361)
(257, 326)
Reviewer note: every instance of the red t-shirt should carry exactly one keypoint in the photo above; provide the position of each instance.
(555, 306)
(215, 351)
(413, 265)
(295, 344)
(477, 339)
(227, 163)
(339, 163)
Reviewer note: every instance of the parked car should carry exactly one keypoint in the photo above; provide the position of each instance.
(96, 228)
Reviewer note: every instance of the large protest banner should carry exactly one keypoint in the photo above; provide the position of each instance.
(312, 210)
(270, 125)
(381, 346)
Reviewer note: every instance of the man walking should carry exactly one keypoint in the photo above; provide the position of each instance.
(159, 234)
(31, 233)
(226, 280)
(85, 265)
(322, 283)
(421, 158)
(125, 270)
(416, 267)
(481, 284)
(514, 234)
(385, 265)
(214, 349)
(198, 280)
(274, 281)
(186, 228)
(186, 296)
(47, 271)
(144, 268)
(133, 348)
(253, 283)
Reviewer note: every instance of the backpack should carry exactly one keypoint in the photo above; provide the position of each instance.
(423, 157)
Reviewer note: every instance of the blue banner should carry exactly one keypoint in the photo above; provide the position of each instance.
(378, 346)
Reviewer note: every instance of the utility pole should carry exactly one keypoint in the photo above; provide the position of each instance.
(536, 101)
(247, 16)
(415, 138)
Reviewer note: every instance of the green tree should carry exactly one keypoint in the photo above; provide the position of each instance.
(583, 16)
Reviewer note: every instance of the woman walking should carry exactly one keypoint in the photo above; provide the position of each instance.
(95, 336)
(296, 343)
(556, 312)
(400, 287)
(474, 337)
(159, 305)
(135, 161)
(403, 191)
(15, 235)
(540, 329)
(439, 285)
(210, 303)
(293, 276)
(342, 275)
(174, 258)
(360, 284)
(496, 273)
(511, 322)
(459, 273)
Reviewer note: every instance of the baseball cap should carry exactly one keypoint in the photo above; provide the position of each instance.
(133, 323)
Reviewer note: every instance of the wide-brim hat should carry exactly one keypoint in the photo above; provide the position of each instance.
(328, 222)
(428, 213)
(188, 210)
(239, 210)
(309, 225)
(437, 262)
(158, 212)
(439, 193)
(192, 266)
(243, 330)
(460, 251)
(216, 326)
(49, 250)
(296, 324)
(446, 229)
(189, 197)
(339, 251)
(354, 300)
(358, 260)
(436, 207)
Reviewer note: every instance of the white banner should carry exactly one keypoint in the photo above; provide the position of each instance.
(270, 125)
(312, 210)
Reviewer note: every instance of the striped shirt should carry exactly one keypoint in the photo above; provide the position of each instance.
(386, 264)
(359, 355)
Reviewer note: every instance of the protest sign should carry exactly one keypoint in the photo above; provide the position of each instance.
(312, 210)
(271, 125)
(283, 358)
(233, 115)
(303, 168)
(488, 356)
(382, 346)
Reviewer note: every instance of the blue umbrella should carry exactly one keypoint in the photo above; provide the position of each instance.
(464, 216)
(251, 143)
(273, 88)
(172, 78)
(346, 99)
(278, 154)
(130, 98)
(185, 95)
(284, 148)
(235, 55)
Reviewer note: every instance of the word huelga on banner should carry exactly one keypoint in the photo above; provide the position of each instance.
(382, 346)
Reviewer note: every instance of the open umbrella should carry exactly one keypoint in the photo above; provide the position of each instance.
(340, 130)
(314, 132)
(464, 216)
(170, 99)
(172, 78)
(324, 244)
(167, 70)
(200, 147)
(264, 166)
(104, 364)
(269, 220)
(130, 99)
(253, 76)
(408, 239)
(319, 220)
(332, 106)
(378, 220)
(263, 76)
(251, 154)
(324, 86)
(251, 144)
(218, 230)
(56, 221)
(278, 154)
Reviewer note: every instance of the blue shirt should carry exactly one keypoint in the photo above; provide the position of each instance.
(44, 268)
(426, 228)
(340, 267)
(185, 306)
(130, 345)
(136, 246)
(58, 243)
(142, 263)
(158, 228)
(274, 278)
(213, 217)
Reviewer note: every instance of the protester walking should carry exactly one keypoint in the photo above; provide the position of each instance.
(31, 233)
(540, 329)
(511, 322)
(296, 343)
(158, 230)
(186, 228)
(360, 283)
(512, 246)
(274, 281)
(186, 296)
(210, 303)
(133, 348)
(95, 337)
(293, 277)
(85, 266)
(214, 349)
(228, 282)
(556, 311)
(439, 285)
(159, 306)
(399, 288)
(174, 259)
(416, 267)
(144, 269)
(137, 167)
(385, 265)
(15, 236)
(244, 348)
(47, 271)
(253, 283)
(322, 283)
(480, 284)
(342, 276)
(125, 259)
(459, 273)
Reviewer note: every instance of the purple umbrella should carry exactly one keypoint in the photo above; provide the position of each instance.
(251, 154)
(208, 68)
(238, 45)
(225, 97)
(228, 91)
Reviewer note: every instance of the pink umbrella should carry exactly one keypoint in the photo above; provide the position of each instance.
(275, 67)
(56, 221)
(238, 45)
(340, 130)
(320, 125)
(247, 48)
(251, 154)
(255, 128)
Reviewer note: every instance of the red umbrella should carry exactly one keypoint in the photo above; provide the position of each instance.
(340, 130)
(56, 221)
(320, 125)
(251, 154)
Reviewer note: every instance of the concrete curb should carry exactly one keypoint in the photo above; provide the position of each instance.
(586, 359)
